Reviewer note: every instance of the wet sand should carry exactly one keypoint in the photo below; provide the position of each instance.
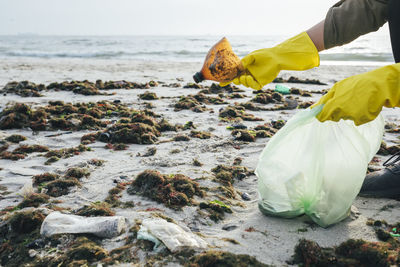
(271, 240)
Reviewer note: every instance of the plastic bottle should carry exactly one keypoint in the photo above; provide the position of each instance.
(221, 64)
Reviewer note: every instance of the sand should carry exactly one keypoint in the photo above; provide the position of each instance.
(274, 239)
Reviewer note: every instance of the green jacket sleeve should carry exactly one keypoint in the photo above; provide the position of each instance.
(349, 19)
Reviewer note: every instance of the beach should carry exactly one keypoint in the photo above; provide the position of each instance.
(245, 230)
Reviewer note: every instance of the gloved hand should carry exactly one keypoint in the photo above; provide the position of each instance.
(262, 66)
(361, 97)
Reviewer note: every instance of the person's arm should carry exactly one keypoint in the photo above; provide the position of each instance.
(316, 34)
(349, 19)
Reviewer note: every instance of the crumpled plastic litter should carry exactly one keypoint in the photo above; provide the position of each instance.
(104, 226)
(170, 234)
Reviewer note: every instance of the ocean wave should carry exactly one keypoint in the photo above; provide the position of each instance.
(378, 57)
(122, 52)
(63, 54)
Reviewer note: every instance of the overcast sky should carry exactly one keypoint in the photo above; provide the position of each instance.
(155, 17)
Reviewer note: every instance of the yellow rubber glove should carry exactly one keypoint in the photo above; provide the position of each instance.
(262, 66)
(361, 97)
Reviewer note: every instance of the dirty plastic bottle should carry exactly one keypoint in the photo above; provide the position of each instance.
(221, 64)
(59, 223)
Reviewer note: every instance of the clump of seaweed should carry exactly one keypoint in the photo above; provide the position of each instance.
(115, 193)
(15, 117)
(181, 137)
(193, 85)
(306, 104)
(148, 96)
(60, 187)
(175, 190)
(226, 174)
(189, 102)
(77, 173)
(297, 91)
(58, 115)
(216, 89)
(293, 79)
(349, 253)
(27, 149)
(263, 98)
(96, 162)
(66, 152)
(24, 89)
(200, 134)
(78, 87)
(85, 249)
(11, 155)
(197, 163)
(133, 133)
(21, 151)
(90, 138)
(17, 231)
(234, 112)
(244, 135)
(385, 150)
(15, 138)
(45, 177)
(33, 200)
(223, 258)
(216, 209)
(95, 209)
(196, 102)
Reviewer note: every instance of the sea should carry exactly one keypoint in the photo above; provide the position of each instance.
(367, 50)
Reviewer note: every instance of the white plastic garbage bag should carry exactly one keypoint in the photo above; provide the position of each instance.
(315, 168)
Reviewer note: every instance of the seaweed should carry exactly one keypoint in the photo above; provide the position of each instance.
(17, 231)
(196, 102)
(385, 150)
(133, 133)
(148, 96)
(200, 134)
(77, 173)
(216, 209)
(11, 156)
(234, 112)
(293, 79)
(33, 200)
(95, 209)
(60, 187)
(349, 253)
(223, 259)
(85, 249)
(27, 149)
(197, 163)
(229, 173)
(45, 177)
(244, 135)
(15, 117)
(217, 89)
(67, 152)
(96, 162)
(175, 191)
(15, 138)
(115, 193)
(181, 137)
(193, 85)
(24, 89)
(306, 104)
